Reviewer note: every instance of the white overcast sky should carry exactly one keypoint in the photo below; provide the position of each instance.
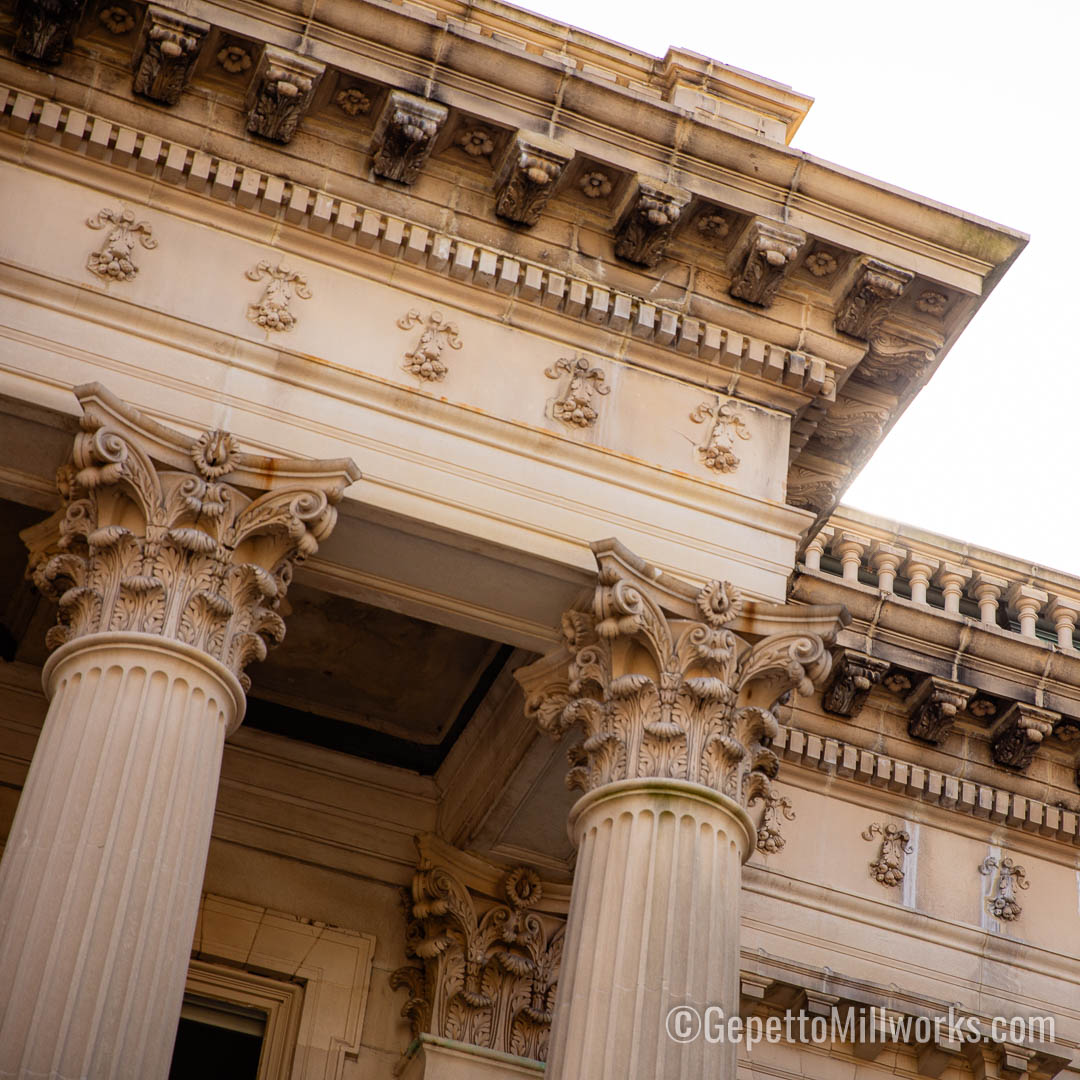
(973, 103)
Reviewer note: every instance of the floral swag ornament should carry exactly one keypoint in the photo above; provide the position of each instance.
(666, 680)
(173, 551)
(488, 978)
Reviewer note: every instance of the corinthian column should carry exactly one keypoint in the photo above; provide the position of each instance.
(167, 577)
(672, 689)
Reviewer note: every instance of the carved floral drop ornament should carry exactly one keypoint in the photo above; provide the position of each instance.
(661, 684)
(425, 359)
(486, 977)
(577, 406)
(115, 258)
(150, 540)
(888, 867)
(272, 311)
(777, 807)
(1002, 902)
(718, 451)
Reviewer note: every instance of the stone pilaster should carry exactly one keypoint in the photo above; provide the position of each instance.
(673, 688)
(168, 578)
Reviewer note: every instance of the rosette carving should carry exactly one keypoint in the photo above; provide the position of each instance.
(486, 976)
(666, 680)
(151, 539)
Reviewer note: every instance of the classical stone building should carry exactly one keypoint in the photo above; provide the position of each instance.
(387, 388)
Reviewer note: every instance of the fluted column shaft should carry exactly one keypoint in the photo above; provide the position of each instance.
(100, 881)
(653, 924)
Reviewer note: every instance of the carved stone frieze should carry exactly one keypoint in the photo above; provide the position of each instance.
(770, 840)
(1002, 901)
(725, 426)
(272, 311)
(281, 92)
(527, 175)
(169, 46)
(765, 254)
(115, 259)
(405, 135)
(43, 27)
(662, 686)
(577, 405)
(487, 971)
(933, 707)
(647, 226)
(854, 675)
(151, 539)
(1020, 734)
(425, 360)
(888, 867)
(898, 353)
(873, 294)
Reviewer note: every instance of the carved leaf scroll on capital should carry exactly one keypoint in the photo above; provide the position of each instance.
(661, 686)
(175, 551)
(487, 972)
(115, 259)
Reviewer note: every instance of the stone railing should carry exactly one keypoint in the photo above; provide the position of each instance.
(954, 577)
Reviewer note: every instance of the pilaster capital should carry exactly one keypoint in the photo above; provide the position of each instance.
(669, 680)
(152, 539)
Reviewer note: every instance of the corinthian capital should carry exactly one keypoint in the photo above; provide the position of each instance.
(668, 680)
(152, 538)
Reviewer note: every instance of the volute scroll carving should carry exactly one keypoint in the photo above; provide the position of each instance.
(650, 222)
(527, 176)
(43, 27)
(854, 675)
(875, 291)
(405, 136)
(151, 538)
(668, 680)
(169, 46)
(768, 254)
(281, 93)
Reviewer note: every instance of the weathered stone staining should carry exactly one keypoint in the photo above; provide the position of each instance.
(527, 176)
(281, 92)
(933, 707)
(765, 255)
(43, 27)
(875, 291)
(1020, 733)
(649, 223)
(405, 136)
(168, 48)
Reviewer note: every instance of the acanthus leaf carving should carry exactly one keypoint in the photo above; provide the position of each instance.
(649, 223)
(854, 675)
(809, 489)
(43, 28)
(898, 353)
(281, 93)
(577, 405)
(272, 312)
(933, 707)
(1002, 901)
(888, 867)
(425, 359)
(405, 136)
(170, 549)
(850, 429)
(486, 970)
(115, 258)
(169, 46)
(526, 177)
(662, 687)
(875, 291)
(766, 255)
(1020, 733)
(725, 426)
